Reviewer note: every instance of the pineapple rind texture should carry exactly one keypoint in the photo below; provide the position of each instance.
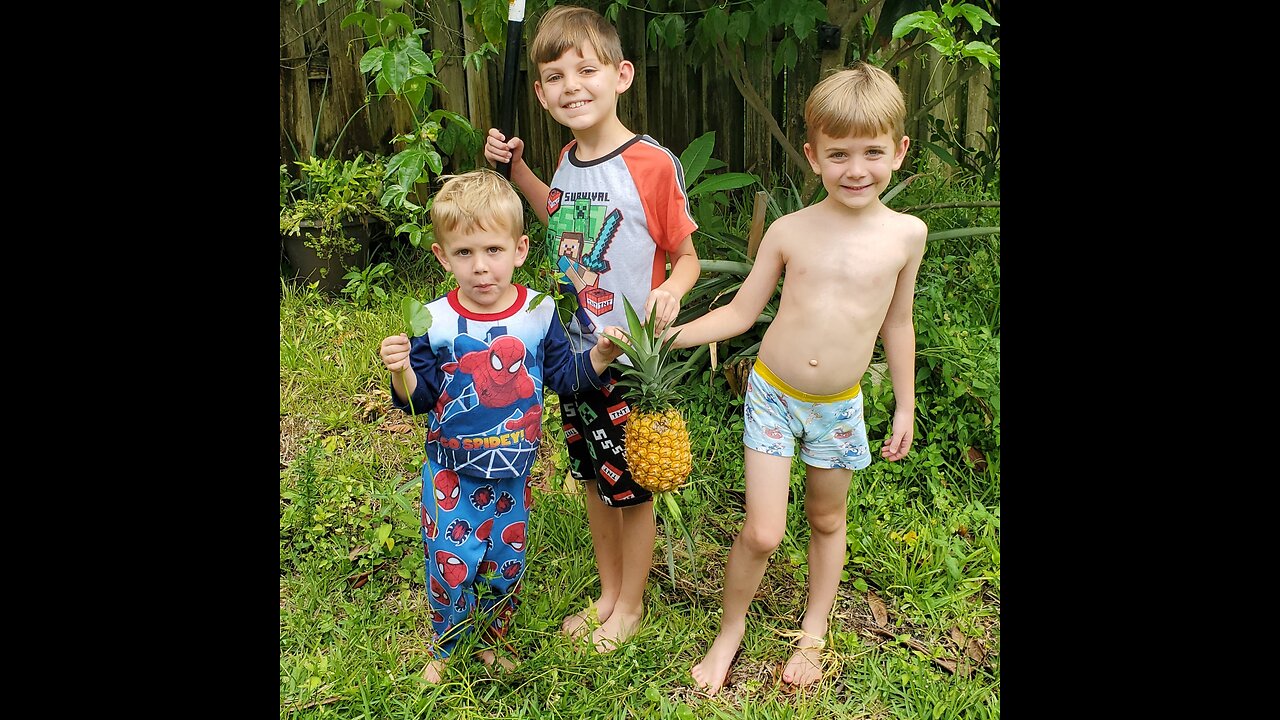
(657, 450)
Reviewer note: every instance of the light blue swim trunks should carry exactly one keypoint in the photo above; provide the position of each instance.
(830, 428)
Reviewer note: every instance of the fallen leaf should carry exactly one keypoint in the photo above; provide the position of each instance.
(957, 637)
(360, 583)
(974, 650)
(398, 428)
(878, 610)
(975, 457)
(358, 552)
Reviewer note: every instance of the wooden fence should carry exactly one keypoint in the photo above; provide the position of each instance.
(673, 99)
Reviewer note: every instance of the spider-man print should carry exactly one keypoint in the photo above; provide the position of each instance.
(428, 525)
(451, 568)
(513, 535)
(511, 569)
(483, 532)
(531, 424)
(437, 591)
(458, 531)
(447, 490)
(499, 374)
(505, 503)
(482, 496)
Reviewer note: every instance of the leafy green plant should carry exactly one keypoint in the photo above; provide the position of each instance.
(710, 199)
(329, 196)
(365, 285)
(398, 66)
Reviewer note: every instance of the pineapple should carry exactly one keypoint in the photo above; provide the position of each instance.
(656, 437)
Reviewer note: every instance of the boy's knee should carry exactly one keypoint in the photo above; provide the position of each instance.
(827, 523)
(761, 540)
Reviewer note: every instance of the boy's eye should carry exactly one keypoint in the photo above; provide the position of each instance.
(464, 253)
(551, 78)
(588, 71)
(495, 250)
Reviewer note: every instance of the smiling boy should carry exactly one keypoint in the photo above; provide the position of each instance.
(616, 213)
(850, 265)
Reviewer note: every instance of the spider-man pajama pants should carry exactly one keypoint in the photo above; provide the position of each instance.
(473, 534)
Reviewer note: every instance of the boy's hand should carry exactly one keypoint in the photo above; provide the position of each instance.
(899, 444)
(394, 352)
(609, 350)
(666, 305)
(497, 150)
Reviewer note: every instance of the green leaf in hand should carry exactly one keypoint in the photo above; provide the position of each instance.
(417, 318)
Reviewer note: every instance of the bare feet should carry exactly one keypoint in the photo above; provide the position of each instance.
(489, 657)
(433, 672)
(615, 631)
(585, 620)
(711, 673)
(805, 666)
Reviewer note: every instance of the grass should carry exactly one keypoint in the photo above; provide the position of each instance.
(923, 542)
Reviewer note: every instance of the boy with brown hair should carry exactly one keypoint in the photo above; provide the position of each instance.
(619, 197)
(480, 371)
(850, 265)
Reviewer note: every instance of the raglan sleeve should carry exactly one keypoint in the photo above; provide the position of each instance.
(426, 366)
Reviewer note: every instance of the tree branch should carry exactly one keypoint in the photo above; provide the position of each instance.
(737, 68)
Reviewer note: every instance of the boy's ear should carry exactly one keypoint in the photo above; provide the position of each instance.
(900, 152)
(439, 253)
(813, 161)
(626, 74)
(522, 249)
(537, 90)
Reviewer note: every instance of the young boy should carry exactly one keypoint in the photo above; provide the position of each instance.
(480, 371)
(850, 266)
(616, 214)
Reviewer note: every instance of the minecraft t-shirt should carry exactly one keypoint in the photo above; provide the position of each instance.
(610, 223)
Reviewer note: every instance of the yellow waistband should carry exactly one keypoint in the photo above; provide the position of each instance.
(777, 382)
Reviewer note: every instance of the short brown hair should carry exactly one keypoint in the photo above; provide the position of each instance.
(569, 26)
(859, 101)
(480, 198)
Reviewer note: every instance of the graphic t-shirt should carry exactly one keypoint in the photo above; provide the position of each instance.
(482, 377)
(610, 223)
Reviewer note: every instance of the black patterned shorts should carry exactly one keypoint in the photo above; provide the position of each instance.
(594, 422)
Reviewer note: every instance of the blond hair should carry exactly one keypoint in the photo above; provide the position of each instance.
(860, 101)
(481, 198)
(569, 26)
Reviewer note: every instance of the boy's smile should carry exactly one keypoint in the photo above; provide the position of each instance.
(483, 262)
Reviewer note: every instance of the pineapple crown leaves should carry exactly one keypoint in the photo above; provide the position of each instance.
(651, 375)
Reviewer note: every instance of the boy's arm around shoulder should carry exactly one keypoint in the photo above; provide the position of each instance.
(898, 334)
(735, 318)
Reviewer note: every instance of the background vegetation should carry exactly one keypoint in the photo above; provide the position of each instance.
(915, 631)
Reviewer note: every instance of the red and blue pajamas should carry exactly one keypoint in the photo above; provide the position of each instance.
(481, 378)
(474, 535)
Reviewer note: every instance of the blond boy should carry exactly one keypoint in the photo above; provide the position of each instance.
(850, 266)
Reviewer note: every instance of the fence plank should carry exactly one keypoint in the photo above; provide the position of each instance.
(295, 100)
